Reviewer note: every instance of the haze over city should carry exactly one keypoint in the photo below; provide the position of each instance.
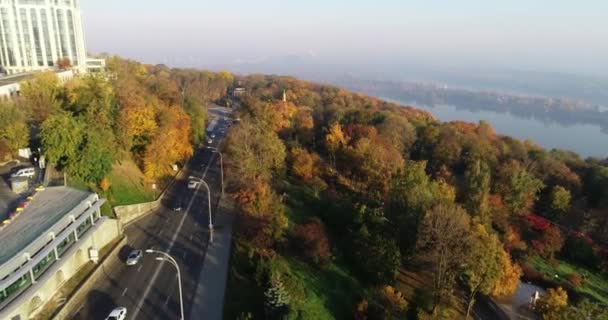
(544, 35)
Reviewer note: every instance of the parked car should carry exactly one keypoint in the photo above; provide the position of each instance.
(119, 313)
(24, 172)
(134, 257)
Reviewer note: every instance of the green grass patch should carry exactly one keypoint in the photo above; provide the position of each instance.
(594, 285)
(128, 185)
(243, 295)
(331, 292)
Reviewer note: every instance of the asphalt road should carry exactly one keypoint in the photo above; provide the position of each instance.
(149, 290)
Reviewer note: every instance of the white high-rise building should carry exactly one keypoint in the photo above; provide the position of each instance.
(35, 34)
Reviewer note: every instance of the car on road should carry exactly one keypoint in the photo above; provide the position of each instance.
(209, 141)
(192, 184)
(212, 136)
(119, 313)
(134, 257)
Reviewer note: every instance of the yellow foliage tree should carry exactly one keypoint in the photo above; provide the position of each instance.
(334, 140)
(552, 303)
(508, 283)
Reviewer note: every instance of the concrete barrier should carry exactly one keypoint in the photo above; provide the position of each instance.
(78, 297)
(130, 213)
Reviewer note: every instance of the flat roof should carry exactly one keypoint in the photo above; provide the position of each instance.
(46, 209)
(15, 78)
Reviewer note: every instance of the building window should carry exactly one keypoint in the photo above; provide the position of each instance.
(83, 227)
(15, 288)
(65, 244)
(44, 264)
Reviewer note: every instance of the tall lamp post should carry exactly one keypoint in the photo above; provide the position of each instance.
(215, 150)
(208, 202)
(166, 257)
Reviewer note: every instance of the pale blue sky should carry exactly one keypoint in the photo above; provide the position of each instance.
(555, 35)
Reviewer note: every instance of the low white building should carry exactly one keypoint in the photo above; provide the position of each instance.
(46, 244)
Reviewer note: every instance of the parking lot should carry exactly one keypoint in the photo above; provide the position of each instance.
(8, 199)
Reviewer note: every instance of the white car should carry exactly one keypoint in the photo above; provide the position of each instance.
(25, 172)
(134, 257)
(209, 141)
(192, 184)
(119, 313)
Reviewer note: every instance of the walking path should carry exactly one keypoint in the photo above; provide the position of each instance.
(208, 302)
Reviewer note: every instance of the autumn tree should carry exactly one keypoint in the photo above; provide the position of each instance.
(443, 243)
(334, 140)
(509, 281)
(253, 153)
(552, 303)
(518, 187)
(483, 269)
(311, 240)
(399, 133)
(303, 125)
(550, 242)
(393, 302)
(63, 63)
(40, 96)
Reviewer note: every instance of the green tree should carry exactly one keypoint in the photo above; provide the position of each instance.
(518, 187)
(198, 116)
(483, 269)
(13, 127)
(560, 200)
(377, 256)
(61, 136)
(477, 177)
(94, 160)
(584, 310)
(443, 243)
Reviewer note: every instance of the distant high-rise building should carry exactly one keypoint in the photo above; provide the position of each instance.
(37, 34)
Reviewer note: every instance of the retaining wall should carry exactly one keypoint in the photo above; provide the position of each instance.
(80, 294)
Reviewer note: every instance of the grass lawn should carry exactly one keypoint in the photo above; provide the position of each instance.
(595, 284)
(331, 293)
(128, 185)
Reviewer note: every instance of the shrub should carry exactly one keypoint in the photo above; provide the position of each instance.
(311, 239)
(575, 279)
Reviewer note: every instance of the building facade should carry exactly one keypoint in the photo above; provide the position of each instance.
(46, 245)
(36, 34)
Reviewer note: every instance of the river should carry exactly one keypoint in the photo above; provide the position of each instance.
(585, 139)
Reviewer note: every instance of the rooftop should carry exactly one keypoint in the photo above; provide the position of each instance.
(46, 209)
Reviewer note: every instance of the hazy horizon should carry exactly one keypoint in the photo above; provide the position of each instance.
(548, 36)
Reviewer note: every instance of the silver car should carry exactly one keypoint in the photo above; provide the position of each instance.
(134, 257)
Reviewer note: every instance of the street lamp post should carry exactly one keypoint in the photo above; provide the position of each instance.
(208, 202)
(166, 257)
(215, 150)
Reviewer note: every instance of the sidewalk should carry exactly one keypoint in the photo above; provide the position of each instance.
(208, 302)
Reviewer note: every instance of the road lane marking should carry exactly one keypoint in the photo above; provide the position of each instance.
(139, 269)
(124, 291)
(167, 300)
(191, 236)
(160, 265)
